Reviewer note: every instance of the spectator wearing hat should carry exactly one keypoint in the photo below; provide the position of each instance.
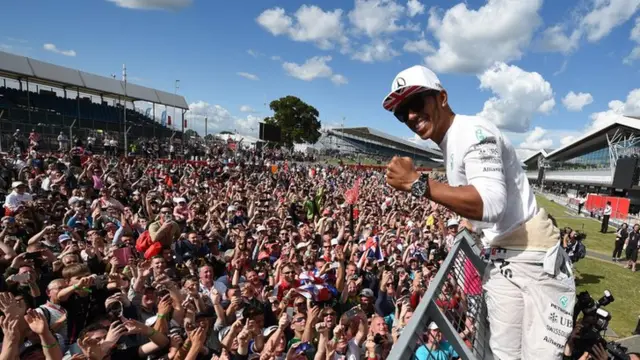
(435, 346)
(18, 198)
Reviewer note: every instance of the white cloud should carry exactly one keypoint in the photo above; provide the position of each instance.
(593, 22)
(635, 37)
(276, 58)
(249, 76)
(414, 7)
(153, 4)
(553, 39)
(314, 68)
(567, 140)
(472, 40)
(605, 16)
(247, 109)
(253, 53)
(54, 49)
(219, 119)
(617, 110)
(339, 79)
(518, 96)
(421, 47)
(424, 143)
(376, 17)
(575, 102)
(377, 50)
(308, 24)
(537, 139)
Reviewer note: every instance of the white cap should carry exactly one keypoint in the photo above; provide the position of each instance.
(408, 82)
(261, 228)
(452, 222)
(433, 326)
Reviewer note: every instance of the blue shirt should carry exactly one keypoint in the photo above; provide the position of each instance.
(443, 352)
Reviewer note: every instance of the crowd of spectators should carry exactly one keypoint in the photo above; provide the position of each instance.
(245, 255)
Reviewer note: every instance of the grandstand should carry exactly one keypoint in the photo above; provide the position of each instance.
(364, 142)
(589, 163)
(89, 105)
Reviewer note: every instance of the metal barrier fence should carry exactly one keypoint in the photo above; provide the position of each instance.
(49, 125)
(451, 319)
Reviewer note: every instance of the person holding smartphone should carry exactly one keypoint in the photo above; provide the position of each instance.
(165, 230)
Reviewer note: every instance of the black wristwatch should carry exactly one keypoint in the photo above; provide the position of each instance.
(420, 187)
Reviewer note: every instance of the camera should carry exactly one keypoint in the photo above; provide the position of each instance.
(595, 320)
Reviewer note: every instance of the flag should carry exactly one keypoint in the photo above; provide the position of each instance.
(185, 123)
(372, 249)
(351, 195)
(169, 120)
(163, 118)
(315, 288)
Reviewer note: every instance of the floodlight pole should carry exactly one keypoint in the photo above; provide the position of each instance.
(71, 132)
(126, 140)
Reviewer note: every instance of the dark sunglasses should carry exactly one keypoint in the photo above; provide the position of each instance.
(414, 103)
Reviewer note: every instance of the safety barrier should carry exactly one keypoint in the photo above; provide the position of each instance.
(454, 302)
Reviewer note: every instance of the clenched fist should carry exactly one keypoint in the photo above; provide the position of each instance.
(401, 173)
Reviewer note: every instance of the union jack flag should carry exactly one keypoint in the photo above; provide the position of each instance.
(395, 98)
(373, 250)
(315, 288)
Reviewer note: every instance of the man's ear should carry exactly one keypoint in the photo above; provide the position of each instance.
(444, 98)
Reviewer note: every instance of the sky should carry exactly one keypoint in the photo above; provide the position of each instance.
(545, 72)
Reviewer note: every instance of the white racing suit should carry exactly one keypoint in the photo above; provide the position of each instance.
(530, 293)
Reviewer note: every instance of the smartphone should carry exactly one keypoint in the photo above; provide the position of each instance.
(290, 311)
(32, 256)
(20, 277)
(122, 255)
(352, 312)
(305, 348)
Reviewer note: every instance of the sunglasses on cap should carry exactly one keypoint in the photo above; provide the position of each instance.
(414, 103)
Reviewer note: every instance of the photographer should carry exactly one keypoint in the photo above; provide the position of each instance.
(573, 245)
(621, 237)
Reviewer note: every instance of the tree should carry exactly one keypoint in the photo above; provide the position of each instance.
(298, 121)
(190, 133)
(209, 137)
(225, 132)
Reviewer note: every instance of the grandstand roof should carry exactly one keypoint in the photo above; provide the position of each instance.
(369, 134)
(594, 139)
(21, 67)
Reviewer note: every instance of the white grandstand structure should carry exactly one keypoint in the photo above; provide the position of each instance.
(374, 144)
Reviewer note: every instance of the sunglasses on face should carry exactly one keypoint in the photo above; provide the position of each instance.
(414, 103)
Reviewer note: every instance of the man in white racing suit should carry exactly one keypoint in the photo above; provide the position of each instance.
(528, 287)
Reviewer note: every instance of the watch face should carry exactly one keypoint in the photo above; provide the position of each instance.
(418, 188)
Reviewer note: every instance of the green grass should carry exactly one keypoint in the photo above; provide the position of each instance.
(596, 276)
(596, 241)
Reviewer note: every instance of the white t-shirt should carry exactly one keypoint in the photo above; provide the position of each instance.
(476, 153)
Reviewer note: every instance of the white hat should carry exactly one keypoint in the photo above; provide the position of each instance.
(433, 326)
(15, 184)
(408, 82)
(261, 228)
(452, 222)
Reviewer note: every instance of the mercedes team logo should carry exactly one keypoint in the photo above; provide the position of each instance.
(400, 82)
